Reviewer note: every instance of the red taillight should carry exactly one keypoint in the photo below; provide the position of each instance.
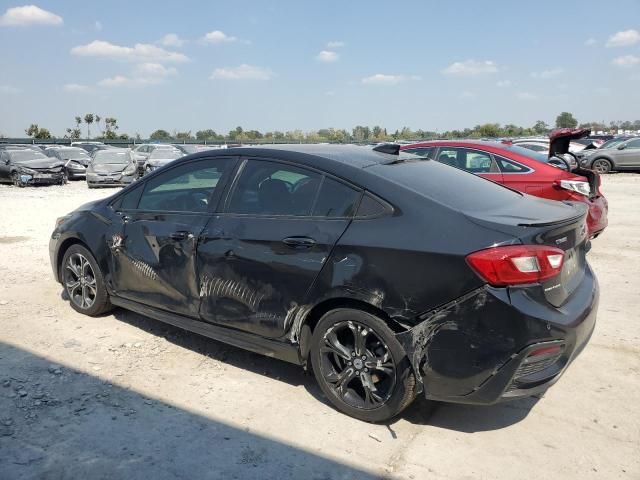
(517, 264)
(552, 350)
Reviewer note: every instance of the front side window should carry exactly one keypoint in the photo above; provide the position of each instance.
(272, 188)
(186, 188)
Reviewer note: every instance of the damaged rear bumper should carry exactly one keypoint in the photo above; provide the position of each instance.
(496, 344)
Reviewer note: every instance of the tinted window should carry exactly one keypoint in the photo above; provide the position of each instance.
(335, 200)
(370, 207)
(271, 188)
(634, 143)
(187, 188)
(507, 166)
(472, 161)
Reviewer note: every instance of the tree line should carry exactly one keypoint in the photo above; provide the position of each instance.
(108, 130)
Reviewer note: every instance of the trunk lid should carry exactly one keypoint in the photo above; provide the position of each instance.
(536, 221)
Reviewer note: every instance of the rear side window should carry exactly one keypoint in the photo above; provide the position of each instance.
(371, 207)
(272, 188)
(507, 166)
(335, 200)
(473, 161)
(634, 144)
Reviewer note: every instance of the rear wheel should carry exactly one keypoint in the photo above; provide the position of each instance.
(601, 165)
(360, 366)
(83, 282)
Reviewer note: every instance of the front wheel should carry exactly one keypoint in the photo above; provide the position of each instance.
(83, 282)
(360, 366)
(15, 178)
(601, 165)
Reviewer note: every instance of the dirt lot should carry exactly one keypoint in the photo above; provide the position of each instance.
(124, 396)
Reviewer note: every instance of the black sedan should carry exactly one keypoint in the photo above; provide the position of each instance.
(76, 160)
(27, 167)
(389, 274)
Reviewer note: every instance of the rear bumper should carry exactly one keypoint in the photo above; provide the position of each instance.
(473, 351)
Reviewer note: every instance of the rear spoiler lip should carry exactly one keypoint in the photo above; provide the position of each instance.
(555, 222)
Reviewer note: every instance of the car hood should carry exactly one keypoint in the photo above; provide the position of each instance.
(39, 164)
(107, 167)
(560, 139)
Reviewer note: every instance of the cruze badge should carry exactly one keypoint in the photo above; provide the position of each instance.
(561, 240)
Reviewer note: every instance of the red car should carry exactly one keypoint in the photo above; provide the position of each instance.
(523, 170)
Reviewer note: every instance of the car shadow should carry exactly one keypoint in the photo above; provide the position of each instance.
(458, 417)
(59, 422)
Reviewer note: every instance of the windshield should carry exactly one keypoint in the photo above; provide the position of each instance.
(74, 153)
(525, 152)
(111, 156)
(26, 155)
(164, 153)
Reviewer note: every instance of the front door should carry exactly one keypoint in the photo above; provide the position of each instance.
(154, 256)
(629, 157)
(260, 256)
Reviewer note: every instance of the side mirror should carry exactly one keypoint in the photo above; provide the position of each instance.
(622, 147)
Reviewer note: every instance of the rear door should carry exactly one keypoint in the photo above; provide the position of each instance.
(258, 258)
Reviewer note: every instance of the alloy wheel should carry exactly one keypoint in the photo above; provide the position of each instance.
(80, 281)
(601, 166)
(357, 365)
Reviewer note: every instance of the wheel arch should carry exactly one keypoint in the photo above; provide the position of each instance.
(604, 157)
(64, 246)
(307, 326)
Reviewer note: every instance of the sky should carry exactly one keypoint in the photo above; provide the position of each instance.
(284, 65)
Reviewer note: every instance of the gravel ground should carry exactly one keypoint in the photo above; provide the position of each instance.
(123, 396)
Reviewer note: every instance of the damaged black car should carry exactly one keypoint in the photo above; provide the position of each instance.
(24, 167)
(387, 275)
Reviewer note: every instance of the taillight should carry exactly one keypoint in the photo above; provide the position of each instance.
(577, 186)
(516, 264)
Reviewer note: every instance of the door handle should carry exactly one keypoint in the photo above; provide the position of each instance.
(299, 242)
(180, 235)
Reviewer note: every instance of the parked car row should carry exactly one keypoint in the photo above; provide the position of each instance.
(388, 274)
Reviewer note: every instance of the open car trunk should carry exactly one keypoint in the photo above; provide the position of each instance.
(559, 142)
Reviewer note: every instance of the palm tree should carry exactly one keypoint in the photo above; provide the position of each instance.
(88, 119)
(98, 118)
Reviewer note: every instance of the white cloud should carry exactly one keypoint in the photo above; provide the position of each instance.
(242, 72)
(76, 88)
(624, 39)
(218, 36)
(9, 90)
(626, 61)
(335, 44)
(172, 40)
(98, 26)
(471, 68)
(29, 15)
(546, 74)
(503, 83)
(140, 52)
(143, 75)
(590, 42)
(327, 56)
(526, 96)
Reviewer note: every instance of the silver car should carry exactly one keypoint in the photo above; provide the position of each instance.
(622, 156)
(114, 167)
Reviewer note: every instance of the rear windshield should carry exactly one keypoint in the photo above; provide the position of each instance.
(447, 185)
(111, 156)
(525, 152)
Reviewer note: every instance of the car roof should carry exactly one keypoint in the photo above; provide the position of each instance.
(324, 156)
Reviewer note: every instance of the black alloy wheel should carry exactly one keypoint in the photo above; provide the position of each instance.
(83, 282)
(360, 365)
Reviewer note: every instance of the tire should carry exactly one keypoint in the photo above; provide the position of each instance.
(601, 165)
(65, 178)
(15, 178)
(83, 282)
(375, 389)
